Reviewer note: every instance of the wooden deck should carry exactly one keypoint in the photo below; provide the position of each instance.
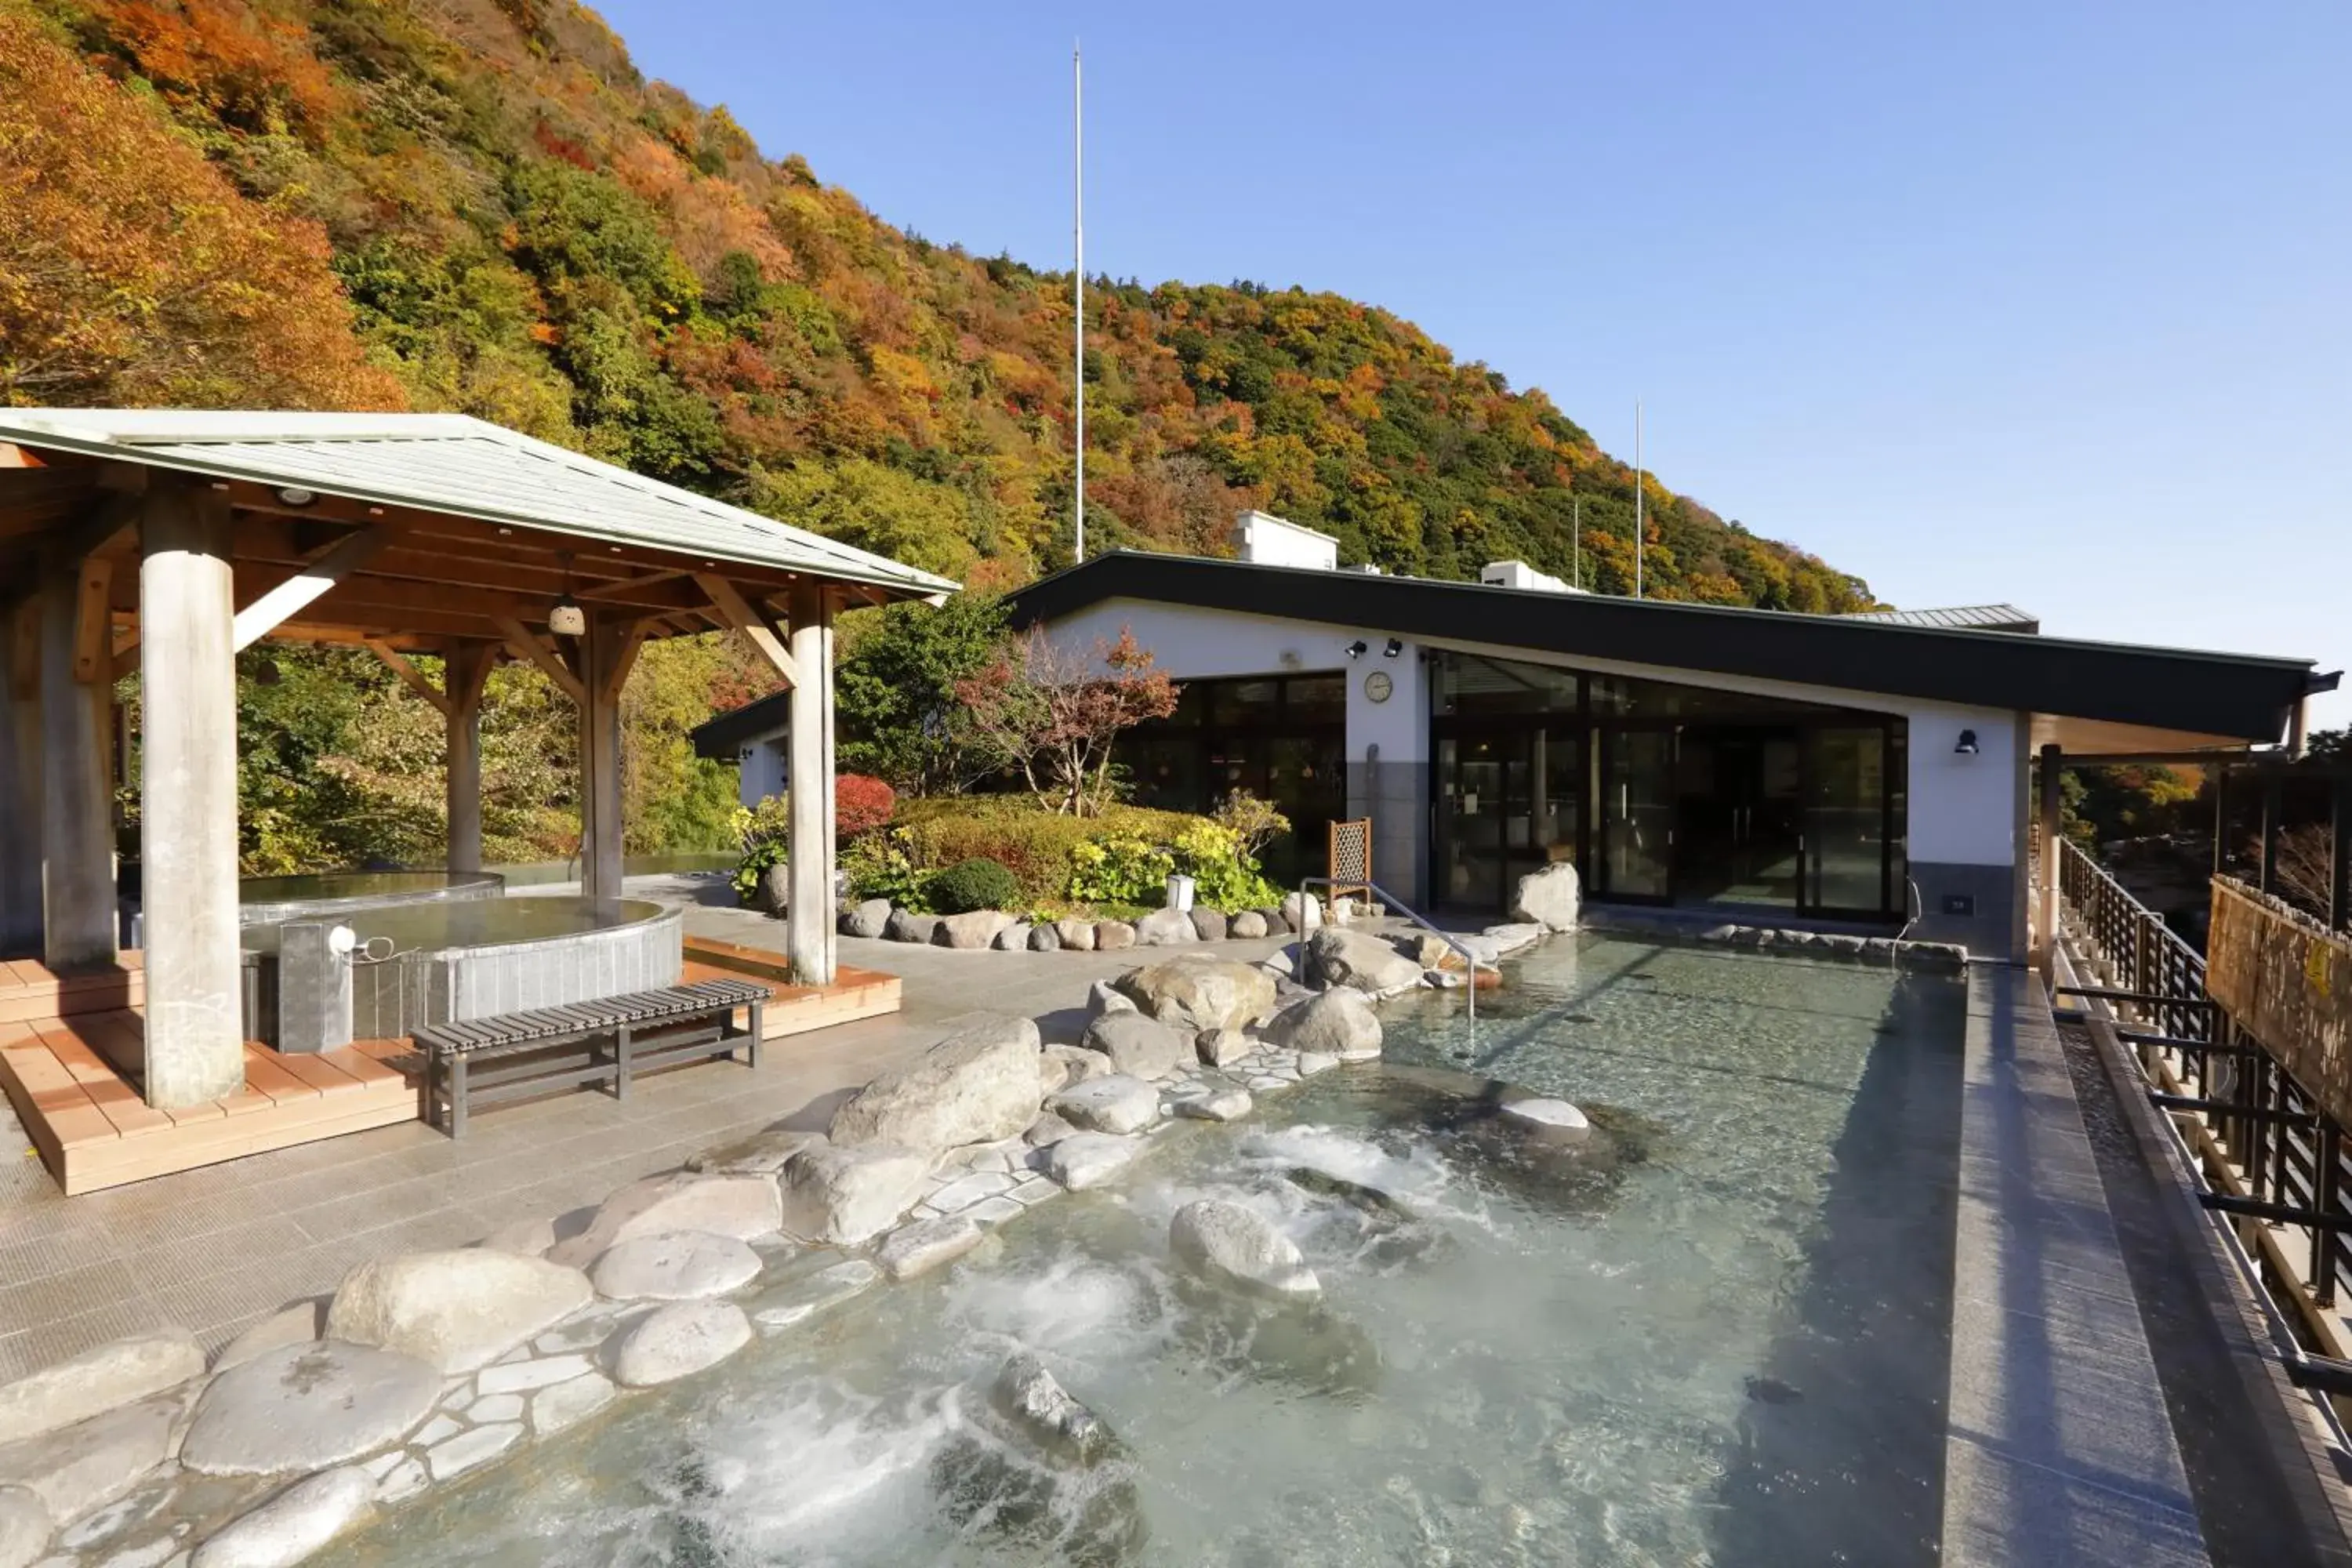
(93, 1130)
(794, 1009)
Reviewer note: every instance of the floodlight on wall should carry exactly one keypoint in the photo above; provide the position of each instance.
(565, 618)
(1358, 648)
(1396, 646)
(1967, 744)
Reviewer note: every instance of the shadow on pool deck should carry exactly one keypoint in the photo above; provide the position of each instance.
(1843, 1453)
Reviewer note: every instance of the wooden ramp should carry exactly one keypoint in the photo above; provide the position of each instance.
(93, 1130)
(796, 1009)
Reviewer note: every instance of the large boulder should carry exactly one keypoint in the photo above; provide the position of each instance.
(297, 1323)
(866, 917)
(1216, 1103)
(905, 925)
(1196, 991)
(96, 1380)
(1066, 1065)
(1302, 912)
(1078, 936)
(1548, 897)
(1338, 1023)
(1510, 939)
(840, 1197)
(307, 1406)
(1113, 936)
(678, 1340)
(1086, 1160)
(682, 1266)
(972, 930)
(457, 1310)
(1223, 1047)
(981, 1084)
(1552, 1120)
(1231, 1244)
(1165, 927)
(294, 1524)
(1105, 996)
(1208, 924)
(1046, 937)
(1335, 955)
(79, 1470)
(1137, 1046)
(744, 1207)
(1246, 926)
(1115, 1103)
(774, 890)
(760, 1154)
(1013, 938)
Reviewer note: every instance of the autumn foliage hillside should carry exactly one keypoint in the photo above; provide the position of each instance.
(480, 205)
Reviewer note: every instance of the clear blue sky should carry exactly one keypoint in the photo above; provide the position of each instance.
(2047, 302)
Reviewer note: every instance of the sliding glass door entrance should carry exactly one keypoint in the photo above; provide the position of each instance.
(1662, 794)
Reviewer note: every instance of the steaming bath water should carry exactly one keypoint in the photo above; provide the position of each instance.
(1717, 1334)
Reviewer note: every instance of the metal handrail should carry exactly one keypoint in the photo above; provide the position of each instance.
(1471, 963)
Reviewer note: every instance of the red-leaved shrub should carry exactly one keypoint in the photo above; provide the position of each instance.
(860, 804)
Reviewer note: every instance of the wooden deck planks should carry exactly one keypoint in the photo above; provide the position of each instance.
(794, 1009)
(30, 992)
(93, 1130)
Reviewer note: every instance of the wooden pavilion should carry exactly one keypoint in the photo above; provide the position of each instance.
(162, 542)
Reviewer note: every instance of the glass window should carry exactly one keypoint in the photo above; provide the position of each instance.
(1253, 704)
(1314, 700)
(1466, 684)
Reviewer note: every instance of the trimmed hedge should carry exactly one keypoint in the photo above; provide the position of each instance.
(979, 883)
(1035, 845)
(1121, 857)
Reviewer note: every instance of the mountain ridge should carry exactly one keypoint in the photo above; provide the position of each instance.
(483, 205)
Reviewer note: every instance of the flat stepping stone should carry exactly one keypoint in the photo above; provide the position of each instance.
(302, 1407)
(1086, 1160)
(97, 1381)
(523, 1376)
(678, 1340)
(295, 1523)
(925, 1244)
(1550, 1118)
(964, 1192)
(455, 1456)
(459, 1310)
(1216, 1104)
(563, 1404)
(81, 1469)
(1117, 1102)
(681, 1265)
(797, 1300)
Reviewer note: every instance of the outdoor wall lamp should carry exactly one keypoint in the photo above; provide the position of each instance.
(1396, 646)
(1967, 745)
(1357, 649)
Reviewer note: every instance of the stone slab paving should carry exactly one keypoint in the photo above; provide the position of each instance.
(218, 1250)
(2059, 1449)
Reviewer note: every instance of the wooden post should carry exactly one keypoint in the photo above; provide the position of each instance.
(2048, 915)
(20, 782)
(187, 671)
(2339, 856)
(466, 666)
(80, 917)
(2266, 873)
(600, 760)
(809, 942)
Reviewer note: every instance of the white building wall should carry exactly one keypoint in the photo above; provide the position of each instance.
(761, 769)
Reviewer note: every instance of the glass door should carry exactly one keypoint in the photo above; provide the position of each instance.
(1846, 827)
(1637, 814)
(1470, 820)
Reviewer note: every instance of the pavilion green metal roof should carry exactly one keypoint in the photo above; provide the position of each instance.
(457, 464)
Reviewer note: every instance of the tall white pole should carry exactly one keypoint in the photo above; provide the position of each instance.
(1576, 538)
(1078, 288)
(1638, 541)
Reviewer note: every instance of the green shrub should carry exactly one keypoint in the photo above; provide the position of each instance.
(1119, 871)
(1224, 874)
(978, 883)
(877, 867)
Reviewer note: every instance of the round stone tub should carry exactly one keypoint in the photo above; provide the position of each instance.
(272, 900)
(422, 963)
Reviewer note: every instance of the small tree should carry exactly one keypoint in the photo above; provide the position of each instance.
(1050, 713)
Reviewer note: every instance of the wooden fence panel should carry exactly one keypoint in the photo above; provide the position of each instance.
(2287, 980)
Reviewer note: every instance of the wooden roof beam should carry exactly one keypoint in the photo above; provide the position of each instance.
(526, 645)
(752, 622)
(306, 587)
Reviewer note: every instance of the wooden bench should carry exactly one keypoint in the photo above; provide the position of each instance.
(481, 1062)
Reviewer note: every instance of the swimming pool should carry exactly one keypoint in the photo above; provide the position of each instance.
(1717, 1333)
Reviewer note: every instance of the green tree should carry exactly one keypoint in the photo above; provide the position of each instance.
(895, 684)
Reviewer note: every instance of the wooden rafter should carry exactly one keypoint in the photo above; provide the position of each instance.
(410, 676)
(311, 584)
(527, 645)
(752, 622)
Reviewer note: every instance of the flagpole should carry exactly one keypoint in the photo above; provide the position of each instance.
(1638, 541)
(1576, 538)
(1078, 290)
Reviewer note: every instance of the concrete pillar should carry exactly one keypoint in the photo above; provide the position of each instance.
(20, 782)
(79, 913)
(599, 761)
(809, 941)
(2046, 917)
(466, 666)
(187, 672)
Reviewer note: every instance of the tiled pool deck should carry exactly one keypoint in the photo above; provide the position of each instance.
(2060, 1449)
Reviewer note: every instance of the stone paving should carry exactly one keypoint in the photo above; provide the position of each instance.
(216, 1250)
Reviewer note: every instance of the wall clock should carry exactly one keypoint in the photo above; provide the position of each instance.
(1377, 685)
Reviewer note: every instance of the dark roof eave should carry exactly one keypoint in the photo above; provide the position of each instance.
(2240, 696)
(718, 739)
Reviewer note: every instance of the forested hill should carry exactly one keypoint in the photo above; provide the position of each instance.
(480, 205)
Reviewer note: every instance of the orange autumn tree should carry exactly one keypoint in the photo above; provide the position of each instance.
(131, 273)
(1050, 710)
